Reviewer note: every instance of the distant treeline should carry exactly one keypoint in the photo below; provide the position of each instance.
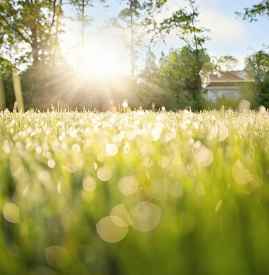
(174, 82)
(30, 38)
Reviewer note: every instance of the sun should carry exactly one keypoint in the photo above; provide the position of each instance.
(100, 58)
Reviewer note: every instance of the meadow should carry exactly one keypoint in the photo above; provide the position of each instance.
(148, 193)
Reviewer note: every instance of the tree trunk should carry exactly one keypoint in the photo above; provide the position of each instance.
(18, 90)
(83, 24)
(35, 54)
(132, 50)
(33, 24)
(58, 23)
(2, 96)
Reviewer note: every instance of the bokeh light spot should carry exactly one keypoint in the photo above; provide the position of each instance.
(111, 149)
(104, 173)
(146, 216)
(110, 231)
(89, 184)
(128, 185)
(120, 215)
(203, 156)
(11, 212)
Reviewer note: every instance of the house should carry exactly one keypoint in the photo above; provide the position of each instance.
(228, 84)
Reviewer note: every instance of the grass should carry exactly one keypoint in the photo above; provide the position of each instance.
(134, 193)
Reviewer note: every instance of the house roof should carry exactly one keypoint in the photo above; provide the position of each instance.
(229, 78)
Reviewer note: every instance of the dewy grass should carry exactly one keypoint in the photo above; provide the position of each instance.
(134, 193)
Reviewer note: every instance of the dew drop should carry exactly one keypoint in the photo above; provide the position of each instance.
(51, 163)
(104, 173)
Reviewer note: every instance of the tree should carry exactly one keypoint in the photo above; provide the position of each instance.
(4, 69)
(150, 87)
(226, 63)
(130, 18)
(29, 38)
(137, 17)
(173, 82)
(258, 66)
(81, 6)
(185, 22)
(29, 25)
(179, 72)
(259, 9)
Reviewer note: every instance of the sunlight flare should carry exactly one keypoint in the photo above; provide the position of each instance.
(102, 59)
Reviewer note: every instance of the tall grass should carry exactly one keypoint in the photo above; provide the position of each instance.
(136, 193)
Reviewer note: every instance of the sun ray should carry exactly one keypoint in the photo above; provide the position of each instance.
(102, 58)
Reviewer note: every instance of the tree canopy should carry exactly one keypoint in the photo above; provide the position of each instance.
(257, 10)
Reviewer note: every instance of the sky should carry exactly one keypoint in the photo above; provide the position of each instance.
(229, 34)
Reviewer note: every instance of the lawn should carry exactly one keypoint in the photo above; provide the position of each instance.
(135, 193)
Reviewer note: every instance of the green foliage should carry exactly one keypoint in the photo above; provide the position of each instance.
(151, 92)
(258, 66)
(226, 63)
(221, 103)
(185, 22)
(9, 92)
(263, 93)
(132, 18)
(257, 10)
(28, 25)
(180, 72)
(191, 192)
(6, 76)
(5, 68)
(133, 9)
(81, 4)
(179, 77)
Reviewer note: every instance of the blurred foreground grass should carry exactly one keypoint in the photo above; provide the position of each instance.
(134, 193)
